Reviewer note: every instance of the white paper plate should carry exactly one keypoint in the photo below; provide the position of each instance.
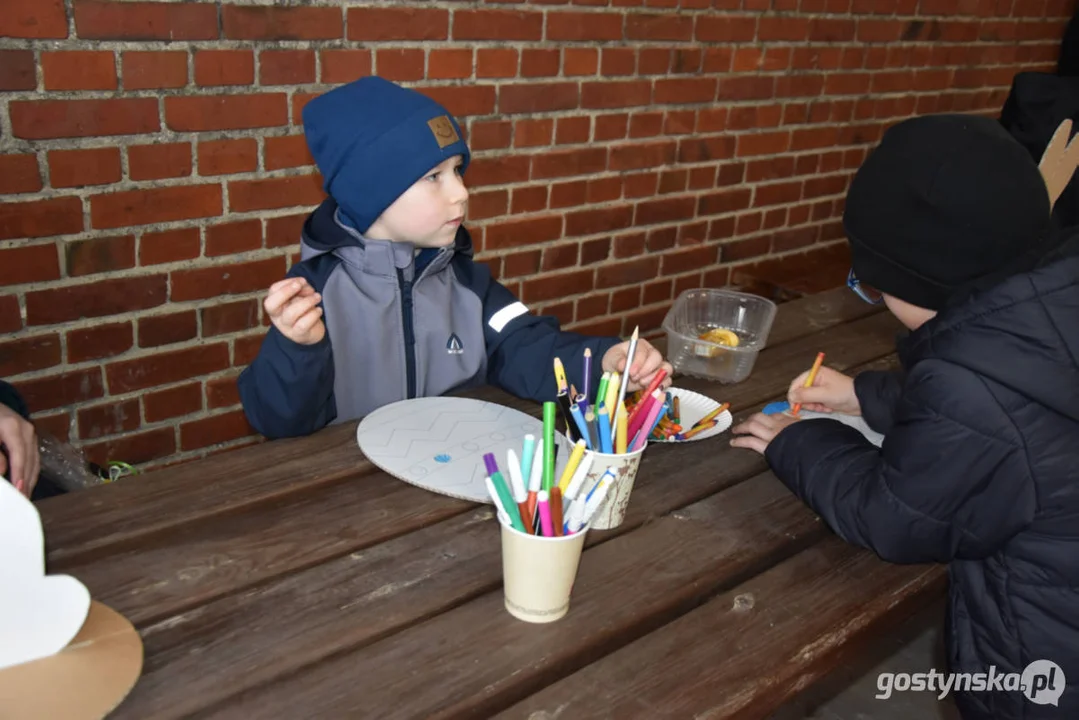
(694, 406)
(438, 443)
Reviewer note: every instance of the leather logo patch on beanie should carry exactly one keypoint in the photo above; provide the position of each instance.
(443, 130)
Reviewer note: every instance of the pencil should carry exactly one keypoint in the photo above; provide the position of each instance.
(809, 380)
(630, 353)
(587, 371)
(560, 376)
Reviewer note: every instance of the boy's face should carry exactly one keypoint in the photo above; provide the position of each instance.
(912, 316)
(428, 213)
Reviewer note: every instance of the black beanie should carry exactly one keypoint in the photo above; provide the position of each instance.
(945, 202)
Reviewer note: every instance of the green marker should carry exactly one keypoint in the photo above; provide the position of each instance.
(548, 445)
(601, 391)
(508, 503)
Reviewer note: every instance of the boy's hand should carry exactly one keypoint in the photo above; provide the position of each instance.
(760, 429)
(19, 443)
(646, 363)
(292, 305)
(831, 392)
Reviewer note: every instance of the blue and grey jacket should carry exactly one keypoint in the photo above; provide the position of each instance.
(401, 325)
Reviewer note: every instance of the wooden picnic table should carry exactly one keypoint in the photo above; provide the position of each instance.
(295, 580)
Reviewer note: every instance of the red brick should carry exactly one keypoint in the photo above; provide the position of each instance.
(111, 296)
(669, 210)
(44, 119)
(214, 430)
(246, 348)
(771, 143)
(726, 28)
(696, 90)
(226, 112)
(604, 95)
(111, 418)
(176, 401)
(169, 246)
(227, 279)
(526, 200)
(684, 261)
(564, 163)
(703, 149)
(746, 88)
(222, 392)
(229, 317)
(400, 65)
(380, 24)
(602, 190)
(28, 354)
(142, 207)
(496, 63)
(882, 31)
(537, 97)
(57, 425)
(282, 23)
(286, 67)
(463, 100)
(540, 63)
(791, 29)
(76, 168)
(248, 195)
(498, 171)
(155, 162)
(777, 194)
(68, 388)
(577, 26)
(10, 317)
(33, 19)
(611, 127)
(79, 70)
(156, 330)
(632, 272)
(342, 66)
(618, 61)
(163, 368)
(600, 220)
(98, 255)
(19, 173)
(18, 70)
(223, 157)
(40, 218)
(813, 138)
(224, 67)
(580, 61)
(497, 25)
(549, 287)
(573, 130)
(145, 20)
(133, 449)
(642, 155)
(726, 201)
(673, 181)
(772, 169)
(516, 233)
(449, 64)
(531, 133)
(653, 61)
(152, 70)
(99, 341)
(560, 257)
(287, 151)
(490, 135)
(679, 122)
(233, 237)
(641, 185)
(640, 26)
(285, 230)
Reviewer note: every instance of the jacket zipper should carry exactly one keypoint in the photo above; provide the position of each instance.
(410, 335)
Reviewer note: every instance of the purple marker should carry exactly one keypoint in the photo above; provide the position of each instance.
(489, 461)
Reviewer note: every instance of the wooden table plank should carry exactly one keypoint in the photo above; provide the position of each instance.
(151, 576)
(80, 523)
(625, 588)
(747, 651)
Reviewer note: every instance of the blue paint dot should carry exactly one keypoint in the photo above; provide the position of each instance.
(442, 458)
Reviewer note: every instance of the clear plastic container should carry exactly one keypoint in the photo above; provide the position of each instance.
(696, 312)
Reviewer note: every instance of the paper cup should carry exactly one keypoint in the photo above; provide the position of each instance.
(613, 510)
(538, 573)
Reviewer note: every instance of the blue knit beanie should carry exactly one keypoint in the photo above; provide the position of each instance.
(373, 139)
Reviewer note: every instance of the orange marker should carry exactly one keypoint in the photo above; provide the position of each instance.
(556, 511)
(809, 380)
(526, 517)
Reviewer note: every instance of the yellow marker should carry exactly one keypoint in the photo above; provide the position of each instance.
(612, 390)
(809, 380)
(620, 435)
(571, 466)
(560, 375)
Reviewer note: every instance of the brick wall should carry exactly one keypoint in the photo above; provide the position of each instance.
(153, 175)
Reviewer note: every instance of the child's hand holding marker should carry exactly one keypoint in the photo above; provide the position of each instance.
(292, 305)
(647, 361)
(831, 391)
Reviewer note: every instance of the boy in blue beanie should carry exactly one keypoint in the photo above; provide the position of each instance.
(949, 225)
(387, 303)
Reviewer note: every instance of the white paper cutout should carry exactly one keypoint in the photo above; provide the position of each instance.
(39, 614)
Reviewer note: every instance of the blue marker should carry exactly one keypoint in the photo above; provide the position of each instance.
(527, 452)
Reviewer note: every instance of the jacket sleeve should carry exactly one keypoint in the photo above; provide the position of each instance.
(521, 348)
(950, 482)
(11, 398)
(878, 394)
(287, 391)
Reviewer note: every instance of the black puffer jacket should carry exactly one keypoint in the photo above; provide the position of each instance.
(979, 469)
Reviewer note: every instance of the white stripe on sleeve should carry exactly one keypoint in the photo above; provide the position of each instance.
(503, 317)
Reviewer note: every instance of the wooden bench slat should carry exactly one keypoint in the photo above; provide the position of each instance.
(625, 588)
(752, 648)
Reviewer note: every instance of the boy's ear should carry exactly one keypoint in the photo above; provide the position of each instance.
(1059, 161)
